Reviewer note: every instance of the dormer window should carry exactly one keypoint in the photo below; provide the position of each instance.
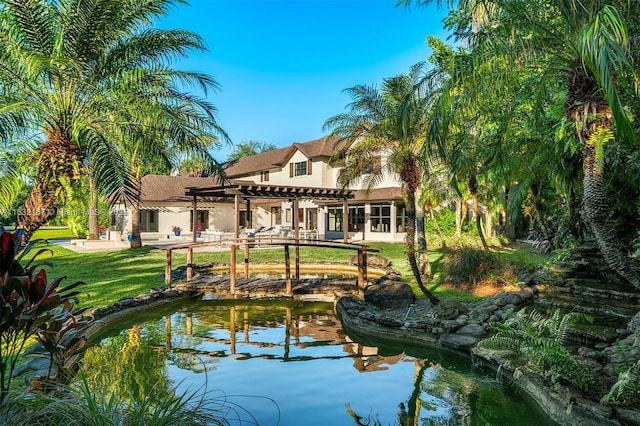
(301, 168)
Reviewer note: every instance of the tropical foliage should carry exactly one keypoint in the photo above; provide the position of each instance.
(82, 78)
(533, 115)
(31, 307)
(386, 122)
(540, 341)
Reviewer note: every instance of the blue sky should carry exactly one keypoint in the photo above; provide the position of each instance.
(283, 64)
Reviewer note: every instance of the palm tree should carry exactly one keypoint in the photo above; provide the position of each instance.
(385, 122)
(582, 46)
(71, 70)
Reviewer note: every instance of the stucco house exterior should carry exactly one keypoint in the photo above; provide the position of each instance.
(377, 215)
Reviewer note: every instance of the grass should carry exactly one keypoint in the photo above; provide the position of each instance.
(113, 275)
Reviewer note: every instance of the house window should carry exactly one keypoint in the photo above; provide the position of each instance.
(300, 168)
(202, 219)
(246, 219)
(380, 218)
(375, 166)
(287, 215)
(334, 219)
(148, 220)
(356, 218)
(276, 216)
(311, 221)
(401, 217)
(264, 176)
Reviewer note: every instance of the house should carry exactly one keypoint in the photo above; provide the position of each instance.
(377, 215)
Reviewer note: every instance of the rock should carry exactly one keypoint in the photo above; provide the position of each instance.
(628, 417)
(449, 309)
(367, 315)
(475, 330)
(389, 294)
(389, 322)
(634, 324)
(513, 299)
(373, 260)
(458, 341)
(450, 325)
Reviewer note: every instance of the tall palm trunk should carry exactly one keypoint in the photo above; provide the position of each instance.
(93, 207)
(411, 246)
(136, 239)
(410, 176)
(473, 188)
(57, 161)
(597, 211)
(592, 115)
(423, 258)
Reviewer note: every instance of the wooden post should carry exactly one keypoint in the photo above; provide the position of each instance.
(167, 270)
(246, 257)
(364, 264)
(345, 221)
(194, 205)
(360, 282)
(287, 268)
(189, 263)
(296, 234)
(236, 234)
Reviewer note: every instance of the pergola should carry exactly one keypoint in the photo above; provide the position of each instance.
(246, 191)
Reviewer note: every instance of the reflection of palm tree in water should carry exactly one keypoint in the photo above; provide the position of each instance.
(409, 414)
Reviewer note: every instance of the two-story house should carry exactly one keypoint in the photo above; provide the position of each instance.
(377, 215)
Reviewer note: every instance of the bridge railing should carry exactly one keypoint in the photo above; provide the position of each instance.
(286, 243)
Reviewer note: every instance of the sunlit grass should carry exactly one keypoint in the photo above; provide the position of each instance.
(112, 275)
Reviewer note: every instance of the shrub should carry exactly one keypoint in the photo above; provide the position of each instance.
(540, 341)
(33, 308)
(474, 266)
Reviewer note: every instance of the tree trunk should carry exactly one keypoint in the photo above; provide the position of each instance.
(435, 223)
(136, 240)
(459, 217)
(93, 207)
(411, 245)
(597, 211)
(59, 157)
(473, 188)
(423, 258)
(509, 225)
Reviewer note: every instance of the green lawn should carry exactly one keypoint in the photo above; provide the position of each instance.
(112, 275)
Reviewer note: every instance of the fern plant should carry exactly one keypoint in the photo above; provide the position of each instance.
(540, 340)
(626, 390)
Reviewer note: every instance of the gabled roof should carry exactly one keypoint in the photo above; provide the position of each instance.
(318, 149)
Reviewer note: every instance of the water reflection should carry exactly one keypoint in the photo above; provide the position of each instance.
(298, 357)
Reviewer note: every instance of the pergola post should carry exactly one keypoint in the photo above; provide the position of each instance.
(248, 225)
(296, 234)
(345, 221)
(236, 234)
(194, 215)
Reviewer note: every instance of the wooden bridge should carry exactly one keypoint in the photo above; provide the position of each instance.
(256, 242)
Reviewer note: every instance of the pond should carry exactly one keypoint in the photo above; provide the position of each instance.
(291, 363)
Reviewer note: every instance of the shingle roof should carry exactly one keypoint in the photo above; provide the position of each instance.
(316, 149)
(172, 188)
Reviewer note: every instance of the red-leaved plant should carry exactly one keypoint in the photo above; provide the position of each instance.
(32, 307)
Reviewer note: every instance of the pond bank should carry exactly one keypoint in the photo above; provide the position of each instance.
(459, 327)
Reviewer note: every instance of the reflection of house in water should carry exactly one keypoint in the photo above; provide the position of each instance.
(300, 331)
